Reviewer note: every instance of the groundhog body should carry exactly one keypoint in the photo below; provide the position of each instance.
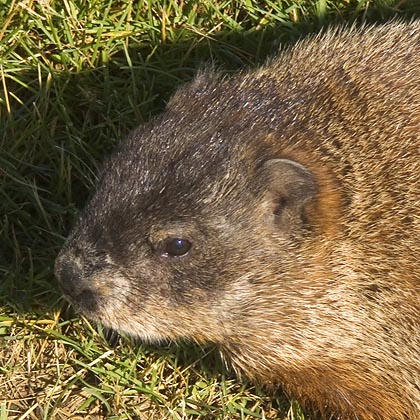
(275, 213)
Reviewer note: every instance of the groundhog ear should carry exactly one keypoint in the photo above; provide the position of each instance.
(290, 186)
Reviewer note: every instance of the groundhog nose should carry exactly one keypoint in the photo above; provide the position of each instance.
(73, 281)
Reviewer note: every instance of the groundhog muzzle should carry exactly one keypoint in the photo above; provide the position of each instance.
(275, 213)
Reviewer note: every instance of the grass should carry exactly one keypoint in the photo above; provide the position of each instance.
(75, 77)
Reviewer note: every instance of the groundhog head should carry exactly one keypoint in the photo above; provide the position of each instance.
(191, 216)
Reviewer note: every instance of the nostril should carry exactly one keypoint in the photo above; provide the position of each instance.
(70, 276)
(89, 300)
(75, 284)
(67, 272)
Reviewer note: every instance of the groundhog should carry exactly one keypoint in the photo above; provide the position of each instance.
(277, 214)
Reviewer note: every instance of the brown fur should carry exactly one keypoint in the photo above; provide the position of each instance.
(298, 186)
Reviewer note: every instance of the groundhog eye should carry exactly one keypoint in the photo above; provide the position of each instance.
(175, 247)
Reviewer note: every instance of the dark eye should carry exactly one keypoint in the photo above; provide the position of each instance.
(175, 247)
